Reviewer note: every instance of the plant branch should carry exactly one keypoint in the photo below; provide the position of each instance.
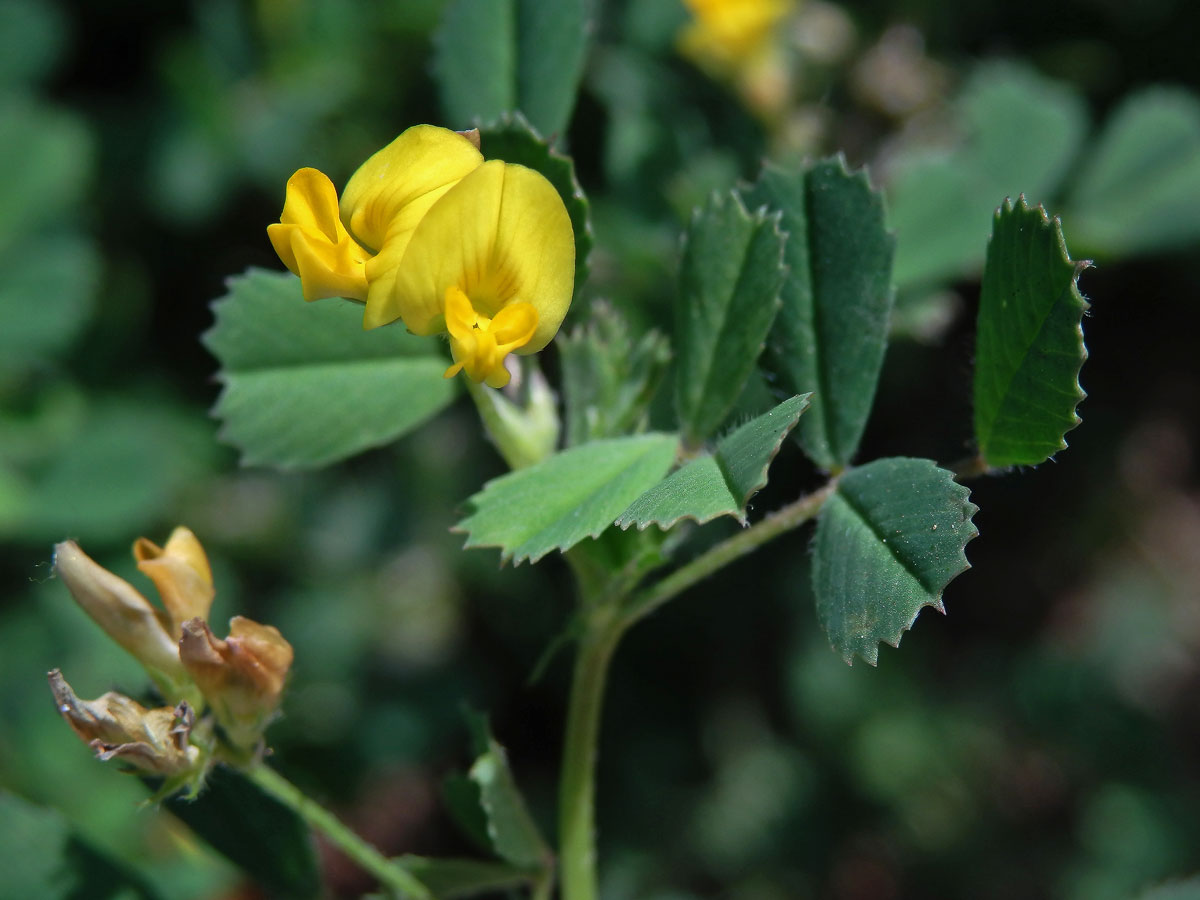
(717, 557)
(371, 860)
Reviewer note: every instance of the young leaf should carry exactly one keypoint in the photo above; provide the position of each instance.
(1029, 340)
(305, 386)
(608, 380)
(253, 831)
(888, 541)
(722, 483)
(41, 857)
(513, 832)
(831, 333)
(449, 879)
(1140, 190)
(497, 56)
(728, 295)
(513, 140)
(572, 495)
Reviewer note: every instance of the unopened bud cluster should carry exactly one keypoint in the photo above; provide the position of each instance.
(235, 683)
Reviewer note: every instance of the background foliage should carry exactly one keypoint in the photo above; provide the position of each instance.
(1038, 741)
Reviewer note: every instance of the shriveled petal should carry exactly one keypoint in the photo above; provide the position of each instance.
(502, 236)
(312, 242)
(117, 607)
(390, 193)
(181, 572)
(116, 727)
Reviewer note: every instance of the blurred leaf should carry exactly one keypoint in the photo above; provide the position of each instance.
(305, 386)
(254, 831)
(728, 295)
(465, 805)
(41, 858)
(513, 833)
(452, 878)
(499, 56)
(1029, 340)
(888, 541)
(46, 293)
(1184, 889)
(572, 495)
(608, 380)
(720, 484)
(121, 468)
(831, 334)
(1021, 132)
(45, 172)
(1139, 190)
(31, 39)
(513, 140)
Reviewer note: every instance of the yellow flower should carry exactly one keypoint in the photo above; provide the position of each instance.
(730, 34)
(430, 234)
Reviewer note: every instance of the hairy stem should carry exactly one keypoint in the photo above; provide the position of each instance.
(717, 557)
(577, 789)
(371, 860)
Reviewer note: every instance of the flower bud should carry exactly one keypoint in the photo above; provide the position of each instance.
(151, 740)
(181, 573)
(117, 607)
(241, 677)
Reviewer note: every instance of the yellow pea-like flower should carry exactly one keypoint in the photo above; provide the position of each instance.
(428, 233)
(727, 35)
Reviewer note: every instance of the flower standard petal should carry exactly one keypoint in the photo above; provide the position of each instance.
(181, 573)
(501, 235)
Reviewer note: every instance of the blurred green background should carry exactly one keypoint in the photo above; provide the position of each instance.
(1040, 741)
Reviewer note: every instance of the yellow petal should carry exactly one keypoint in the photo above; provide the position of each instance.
(181, 573)
(392, 191)
(502, 236)
(312, 242)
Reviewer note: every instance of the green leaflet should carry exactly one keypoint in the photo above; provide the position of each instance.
(831, 333)
(499, 56)
(513, 833)
(888, 541)
(513, 140)
(1139, 191)
(728, 295)
(449, 879)
(722, 483)
(1029, 345)
(569, 496)
(305, 386)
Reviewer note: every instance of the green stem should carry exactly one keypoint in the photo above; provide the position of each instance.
(782, 520)
(371, 860)
(577, 789)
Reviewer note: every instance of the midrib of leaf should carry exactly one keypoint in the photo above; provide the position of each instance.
(327, 364)
(727, 319)
(881, 538)
(818, 352)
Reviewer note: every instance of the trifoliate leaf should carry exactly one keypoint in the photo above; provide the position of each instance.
(569, 496)
(889, 539)
(722, 483)
(728, 295)
(1029, 345)
(830, 335)
(305, 386)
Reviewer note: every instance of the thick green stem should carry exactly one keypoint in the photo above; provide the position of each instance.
(577, 789)
(782, 520)
(371, 860)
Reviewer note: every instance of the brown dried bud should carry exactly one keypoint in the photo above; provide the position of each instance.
(118, 608)
(182, 575)
(241, 677)
(115, 727)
